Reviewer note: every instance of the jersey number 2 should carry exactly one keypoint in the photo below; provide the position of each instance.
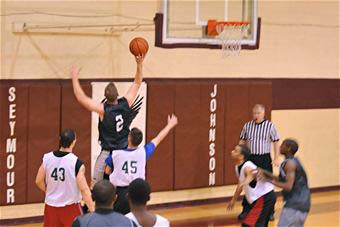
(57, 177)
(133, 167)
(120, 121)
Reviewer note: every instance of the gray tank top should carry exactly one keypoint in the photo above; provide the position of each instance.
(299, 197)
(104, 219)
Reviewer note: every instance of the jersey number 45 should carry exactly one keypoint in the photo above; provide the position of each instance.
(130, 167)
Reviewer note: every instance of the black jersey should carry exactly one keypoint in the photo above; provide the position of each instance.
(114, 128)
(299, 197)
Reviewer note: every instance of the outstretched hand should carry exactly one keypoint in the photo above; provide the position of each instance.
(172, 120)
(139, 59)
(74, 72)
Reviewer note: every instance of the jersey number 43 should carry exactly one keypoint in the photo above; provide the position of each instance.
(58, 174)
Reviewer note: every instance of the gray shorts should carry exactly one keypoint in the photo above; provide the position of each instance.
(99, 166)
(292, 218)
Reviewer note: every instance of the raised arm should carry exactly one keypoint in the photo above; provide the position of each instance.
(172, 122)
(82, 98)
(40, 179)
(133, 90)
(84, 188)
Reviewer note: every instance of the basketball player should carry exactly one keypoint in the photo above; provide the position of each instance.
(104, 194)
(128, 164)
(62, 177)
(293, 181)
(115, 115)
(259, 194)
(138, 195)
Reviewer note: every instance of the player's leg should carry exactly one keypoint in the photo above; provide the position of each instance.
(99, 166)
(245, 209)
(122, 204)
(259, 214)
(290, 217)
(69, 213)
(269, 202)
(51, 217)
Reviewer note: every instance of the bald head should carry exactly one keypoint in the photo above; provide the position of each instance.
(258, 113)
(104, 193)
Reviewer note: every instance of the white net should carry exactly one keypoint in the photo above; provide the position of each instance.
(231, 36)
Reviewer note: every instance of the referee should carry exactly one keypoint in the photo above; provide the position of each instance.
(259, 134)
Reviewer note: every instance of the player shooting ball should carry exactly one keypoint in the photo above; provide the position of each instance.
(115, 114)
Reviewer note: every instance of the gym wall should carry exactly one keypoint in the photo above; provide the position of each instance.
(290, 47)
(196, 154)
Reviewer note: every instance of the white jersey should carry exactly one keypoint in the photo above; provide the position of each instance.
(160, 221)
(128, 165)
(61, 182)
(261, 188)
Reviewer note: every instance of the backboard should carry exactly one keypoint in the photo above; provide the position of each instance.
(184, 24)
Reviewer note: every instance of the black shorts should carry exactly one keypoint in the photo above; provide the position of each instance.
(263, 161)
(121, 204)
(260, 211)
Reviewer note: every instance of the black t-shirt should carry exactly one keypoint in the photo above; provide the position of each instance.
(114, 128)
(60, 154)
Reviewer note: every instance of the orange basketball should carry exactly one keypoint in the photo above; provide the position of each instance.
(139, 46)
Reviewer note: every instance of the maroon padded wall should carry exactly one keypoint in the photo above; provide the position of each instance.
(43, 131)
(44, 107)
(160, 167)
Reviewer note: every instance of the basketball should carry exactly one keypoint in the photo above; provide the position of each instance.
(139, 46)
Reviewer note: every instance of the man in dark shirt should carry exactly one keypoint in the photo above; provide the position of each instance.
(115, 115)
(293, 181)
(104, 194)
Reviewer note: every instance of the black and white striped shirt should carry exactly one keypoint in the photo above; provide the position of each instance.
(259, 136)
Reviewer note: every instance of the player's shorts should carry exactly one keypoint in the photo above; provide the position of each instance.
(121, 204)
(292, 218)
(260, 211)
(61, 216)
(99, 166)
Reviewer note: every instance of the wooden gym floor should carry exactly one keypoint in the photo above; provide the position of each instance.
(325, 211)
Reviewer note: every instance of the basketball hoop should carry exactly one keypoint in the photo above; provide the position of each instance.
(231, 35)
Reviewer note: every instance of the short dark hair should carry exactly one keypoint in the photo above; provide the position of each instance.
(139, 191)
(245, 151)
(66, 138)
(111, 92)
(292, 145)
(103, 193)
(136, 136)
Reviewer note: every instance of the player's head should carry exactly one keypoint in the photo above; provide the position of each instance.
(139, 192)
(104, 194)
(240, 153)
(289, 147)
(67, 138)
(259, 112)
(111, 92)
(135, 137)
